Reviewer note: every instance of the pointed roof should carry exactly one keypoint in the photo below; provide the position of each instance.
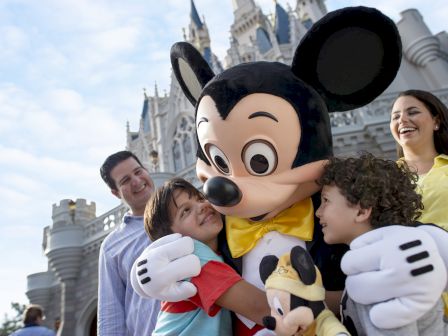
(281, 24)
(195, 16)
(263, 41)
(145, 108)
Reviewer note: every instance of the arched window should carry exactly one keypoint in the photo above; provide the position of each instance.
(184, 146)
(177, 156)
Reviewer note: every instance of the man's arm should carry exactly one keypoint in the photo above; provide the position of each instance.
(111, 294)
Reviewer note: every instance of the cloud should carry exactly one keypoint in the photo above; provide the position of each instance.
(13, 40)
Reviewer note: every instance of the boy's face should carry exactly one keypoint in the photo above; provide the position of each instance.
(195, 218)
(337, 217)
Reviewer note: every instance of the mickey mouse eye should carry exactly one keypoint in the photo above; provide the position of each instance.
(259, 157)
(278, 306)
(219, 159)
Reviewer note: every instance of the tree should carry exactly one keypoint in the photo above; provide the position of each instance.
(11, 324)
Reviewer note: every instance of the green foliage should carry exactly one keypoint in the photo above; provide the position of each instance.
(11, 324)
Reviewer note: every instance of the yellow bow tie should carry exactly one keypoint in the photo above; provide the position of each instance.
(297, 221)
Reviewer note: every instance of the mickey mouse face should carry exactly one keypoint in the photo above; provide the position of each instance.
(255, 136)
(254, 154)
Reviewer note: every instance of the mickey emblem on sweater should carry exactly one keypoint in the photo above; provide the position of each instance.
(296, 296)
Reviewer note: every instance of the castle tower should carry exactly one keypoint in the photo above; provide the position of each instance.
(247, 18)
(251, 33)
(199, 36)
(64, 249)
(422, 48)
(198, 33)
(39, 287)
(310, 11)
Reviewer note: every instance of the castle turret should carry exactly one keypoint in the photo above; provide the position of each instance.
(310, 11)
(42, 288)
(39, 287)
(198, 33)
(422, 48)
(64, 249)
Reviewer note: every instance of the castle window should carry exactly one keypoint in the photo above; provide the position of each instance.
(184, 144)
(177, 156)
(307, 23)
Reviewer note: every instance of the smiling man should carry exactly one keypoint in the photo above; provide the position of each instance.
(120, 310)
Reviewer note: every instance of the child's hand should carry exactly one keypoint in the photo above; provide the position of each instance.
(398, 269)
(158, 272)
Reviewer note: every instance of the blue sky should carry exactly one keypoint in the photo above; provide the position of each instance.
(72, 73)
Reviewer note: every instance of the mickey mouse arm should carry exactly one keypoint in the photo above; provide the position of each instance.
(400, 270)
(158, 271)
(440, 237)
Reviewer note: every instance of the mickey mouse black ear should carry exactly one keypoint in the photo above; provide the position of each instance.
(350, 57)
(191, 70)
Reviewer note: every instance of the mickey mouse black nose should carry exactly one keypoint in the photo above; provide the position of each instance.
(221, 191)
(269, 322)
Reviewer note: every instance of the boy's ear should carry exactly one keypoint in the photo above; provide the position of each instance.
(116, 193)
(363, 214)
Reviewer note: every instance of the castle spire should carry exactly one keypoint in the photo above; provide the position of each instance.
(281, 24)
(198, 33)
(241, 7)
(195, 16)
(156, 90)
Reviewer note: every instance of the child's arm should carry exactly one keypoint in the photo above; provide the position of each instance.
(332, 299)
(246, 299)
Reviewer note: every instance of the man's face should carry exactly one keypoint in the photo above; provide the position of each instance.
(133, 185)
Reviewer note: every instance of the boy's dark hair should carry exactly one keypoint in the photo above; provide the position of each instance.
(377, 183)
(32, 313)
(157, 217)
(111, 162)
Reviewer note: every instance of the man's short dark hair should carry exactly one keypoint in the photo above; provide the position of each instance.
(380, 184)
(157, 217)
(111, 162)
(32, 313)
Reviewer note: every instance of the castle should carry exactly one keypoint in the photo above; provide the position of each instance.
(165, 141)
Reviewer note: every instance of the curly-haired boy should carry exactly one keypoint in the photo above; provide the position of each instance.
(358, 196)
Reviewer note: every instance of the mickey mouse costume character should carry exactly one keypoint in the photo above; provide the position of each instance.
(264, 133)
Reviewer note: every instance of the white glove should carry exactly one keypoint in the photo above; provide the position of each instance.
(158, 271)
(440, 237)
(398, 268)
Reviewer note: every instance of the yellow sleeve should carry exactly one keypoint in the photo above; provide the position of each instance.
(328, 325)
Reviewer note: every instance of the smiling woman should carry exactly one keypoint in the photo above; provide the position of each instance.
(419, 125)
